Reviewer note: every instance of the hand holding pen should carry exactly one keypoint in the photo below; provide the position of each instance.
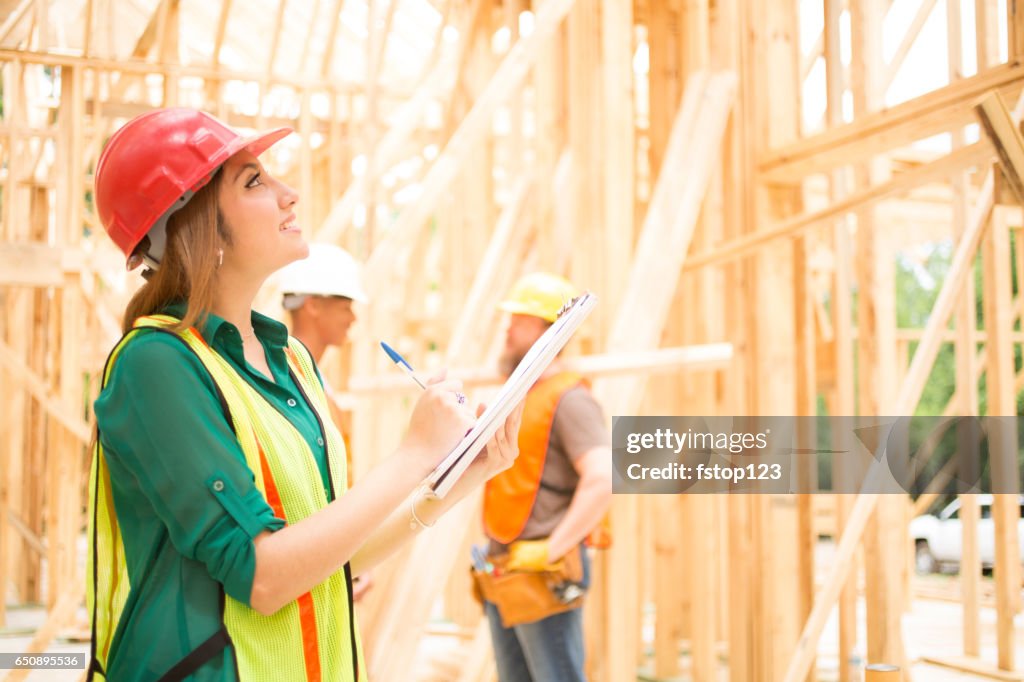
(440, 418)
(407, 368)
(501, 450)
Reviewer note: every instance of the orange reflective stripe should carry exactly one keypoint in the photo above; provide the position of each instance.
(307, 611)
(509, 496)
(273, 498)
(310, 638)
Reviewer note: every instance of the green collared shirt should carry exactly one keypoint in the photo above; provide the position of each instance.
(165, 438)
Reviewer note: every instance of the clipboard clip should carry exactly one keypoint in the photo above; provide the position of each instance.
(571, 302)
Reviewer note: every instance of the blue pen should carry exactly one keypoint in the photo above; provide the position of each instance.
(402, 364)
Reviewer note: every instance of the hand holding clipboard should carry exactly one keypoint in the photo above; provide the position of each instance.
(514, 390)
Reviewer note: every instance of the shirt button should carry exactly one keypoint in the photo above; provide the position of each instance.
(218, 485)
(320, 442)
(291, 402)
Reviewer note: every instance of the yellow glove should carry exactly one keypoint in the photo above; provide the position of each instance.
(531, 555)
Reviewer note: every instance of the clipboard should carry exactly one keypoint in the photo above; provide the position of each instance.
(512, 392)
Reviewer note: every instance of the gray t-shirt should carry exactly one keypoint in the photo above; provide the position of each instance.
(578, 428)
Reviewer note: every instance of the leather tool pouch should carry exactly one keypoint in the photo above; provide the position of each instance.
(528, 596)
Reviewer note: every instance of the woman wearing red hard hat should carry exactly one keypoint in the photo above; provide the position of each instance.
(223, 535)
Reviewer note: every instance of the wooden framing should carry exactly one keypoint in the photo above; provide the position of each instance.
(638, 147)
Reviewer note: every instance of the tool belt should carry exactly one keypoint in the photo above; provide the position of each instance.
(528, 596)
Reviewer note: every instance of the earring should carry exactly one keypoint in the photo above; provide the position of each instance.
(220, 257)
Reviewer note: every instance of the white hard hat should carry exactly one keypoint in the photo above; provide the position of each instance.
(329, 271)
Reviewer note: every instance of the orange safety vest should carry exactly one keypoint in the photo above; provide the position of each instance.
(509, 496)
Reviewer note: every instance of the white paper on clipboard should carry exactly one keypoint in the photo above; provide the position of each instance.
(540, 355)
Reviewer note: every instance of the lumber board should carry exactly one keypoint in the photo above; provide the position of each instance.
(668, 227)
(973, 667)
(509, 75)
(884, 130)
(970, 574)
(900, 184)
(1006, 137)
(36, 385)
(998, 313)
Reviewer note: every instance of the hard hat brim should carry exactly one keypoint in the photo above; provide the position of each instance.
(522, 309)
(259, 143)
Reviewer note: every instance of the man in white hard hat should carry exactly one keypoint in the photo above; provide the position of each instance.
(318, 293)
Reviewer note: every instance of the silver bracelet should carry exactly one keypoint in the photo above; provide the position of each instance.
(415, 523)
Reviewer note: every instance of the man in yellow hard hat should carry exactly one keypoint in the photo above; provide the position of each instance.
(538, 513)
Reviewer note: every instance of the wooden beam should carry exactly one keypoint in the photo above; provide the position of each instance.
(308, 41)
(843, 394)
(810, 59)
(1006, 138)
(1002, 401)
(509, 74)
(38, 265)
(875, 133)
(135, 66)
(986, 30)
(973, 667)
(970, 574)
(403, 122)
(332, 37)
(924, 356)
(151, 32)
(31, 539)
(619, 146)
(668, 226)
(900, 184)
(699, 357)
(36, 386)
(222, 29)
(924, 11)
(14, 18)
(906, 401)
(485, 287)
(41, 19)
(274, 42)
(1015, 28)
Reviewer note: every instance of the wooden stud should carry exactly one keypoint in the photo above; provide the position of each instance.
(1015, 29)
(1002, 402)
(14, 18)
(970, 574)
(618, 147)
(924, 11)
(986, 29)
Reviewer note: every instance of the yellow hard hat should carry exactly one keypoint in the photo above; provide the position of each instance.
(540, 294)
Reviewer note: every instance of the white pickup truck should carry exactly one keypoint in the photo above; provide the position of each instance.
(938, 540)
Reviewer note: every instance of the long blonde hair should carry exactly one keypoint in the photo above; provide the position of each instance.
(188, 269)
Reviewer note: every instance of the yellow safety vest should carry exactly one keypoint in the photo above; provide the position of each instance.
(313, 638)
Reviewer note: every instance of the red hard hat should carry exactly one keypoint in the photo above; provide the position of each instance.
(153, 165)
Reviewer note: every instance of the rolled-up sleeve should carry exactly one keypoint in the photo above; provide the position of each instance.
(164, 432)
